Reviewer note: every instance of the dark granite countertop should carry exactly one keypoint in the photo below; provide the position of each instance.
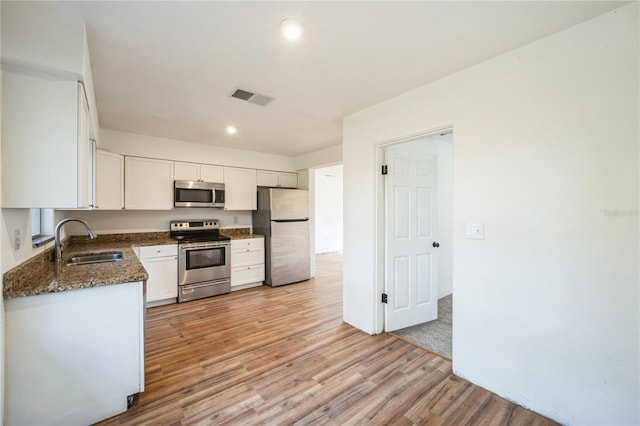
(239, 233)
(245, 236)
(39, 275)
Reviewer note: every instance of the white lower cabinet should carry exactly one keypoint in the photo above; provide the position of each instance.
(247, 263)
(72, 358)
(161, 263)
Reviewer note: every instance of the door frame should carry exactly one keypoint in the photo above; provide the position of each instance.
(379, 218)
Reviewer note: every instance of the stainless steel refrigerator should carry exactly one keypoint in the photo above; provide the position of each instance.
(283, 218)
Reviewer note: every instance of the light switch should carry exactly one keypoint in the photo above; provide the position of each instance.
(474, 231)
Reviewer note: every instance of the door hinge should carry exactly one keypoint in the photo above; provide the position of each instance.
(384, 297)
(385, 170)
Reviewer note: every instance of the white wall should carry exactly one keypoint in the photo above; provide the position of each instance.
(328, 209)
(20, 219)
(546, 155)
(109, 222)
(322, 157)
(173, 149)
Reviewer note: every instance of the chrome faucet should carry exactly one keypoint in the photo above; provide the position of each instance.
(57, 253)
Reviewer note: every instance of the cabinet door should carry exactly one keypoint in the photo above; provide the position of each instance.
(72, 356)
(163, 250)
(288, 180)
(247, 257)
(163, 278)
(109, 181)
(85, 153)
(266, 178)
(240, 189)
(245, 244)
(148, 184)
(186, 171)
(247, 274)
(39, 142)
(210, 173)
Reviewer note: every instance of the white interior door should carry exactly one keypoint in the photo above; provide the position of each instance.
(411, 250)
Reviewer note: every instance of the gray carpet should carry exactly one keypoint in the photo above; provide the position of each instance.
(433, 335)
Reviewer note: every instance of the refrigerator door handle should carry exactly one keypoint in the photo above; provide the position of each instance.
(306, 219)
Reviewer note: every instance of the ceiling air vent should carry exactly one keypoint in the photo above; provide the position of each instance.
(254, 98)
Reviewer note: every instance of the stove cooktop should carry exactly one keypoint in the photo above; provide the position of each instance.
(191, 231)
(200, 238)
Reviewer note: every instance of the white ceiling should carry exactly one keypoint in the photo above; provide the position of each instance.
(168, 68)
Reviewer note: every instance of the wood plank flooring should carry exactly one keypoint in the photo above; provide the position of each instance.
(279, 356)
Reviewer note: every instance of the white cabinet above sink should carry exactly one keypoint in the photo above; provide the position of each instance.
(46, 152)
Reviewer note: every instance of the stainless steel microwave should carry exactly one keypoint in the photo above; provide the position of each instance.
(188, 193)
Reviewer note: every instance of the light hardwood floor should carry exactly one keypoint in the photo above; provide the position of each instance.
(282, 355)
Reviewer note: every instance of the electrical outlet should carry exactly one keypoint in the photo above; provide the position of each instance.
(17, 239)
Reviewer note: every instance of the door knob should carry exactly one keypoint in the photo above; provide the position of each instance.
(435, 244)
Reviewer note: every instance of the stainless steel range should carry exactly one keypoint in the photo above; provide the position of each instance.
(204, 267)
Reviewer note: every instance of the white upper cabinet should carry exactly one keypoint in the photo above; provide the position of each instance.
(267, 178)
(240, 189)
(198, 172)
(109, 181)
(209, 173)
(46, 153)
(186, 171)
(277, 179)
(48, 116)
(148, 184)
(287, 180)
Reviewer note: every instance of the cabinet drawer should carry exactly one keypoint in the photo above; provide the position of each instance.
(247, 257)
(247, 274)
(158, 251)
(247, 243)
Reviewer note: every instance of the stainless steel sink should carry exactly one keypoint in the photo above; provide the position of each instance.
(85, 259)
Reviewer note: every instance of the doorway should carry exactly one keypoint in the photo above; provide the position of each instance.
(328, 209)
(420, 250)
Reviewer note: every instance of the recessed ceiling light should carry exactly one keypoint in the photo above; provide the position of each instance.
(232, 130)
(291, 29)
